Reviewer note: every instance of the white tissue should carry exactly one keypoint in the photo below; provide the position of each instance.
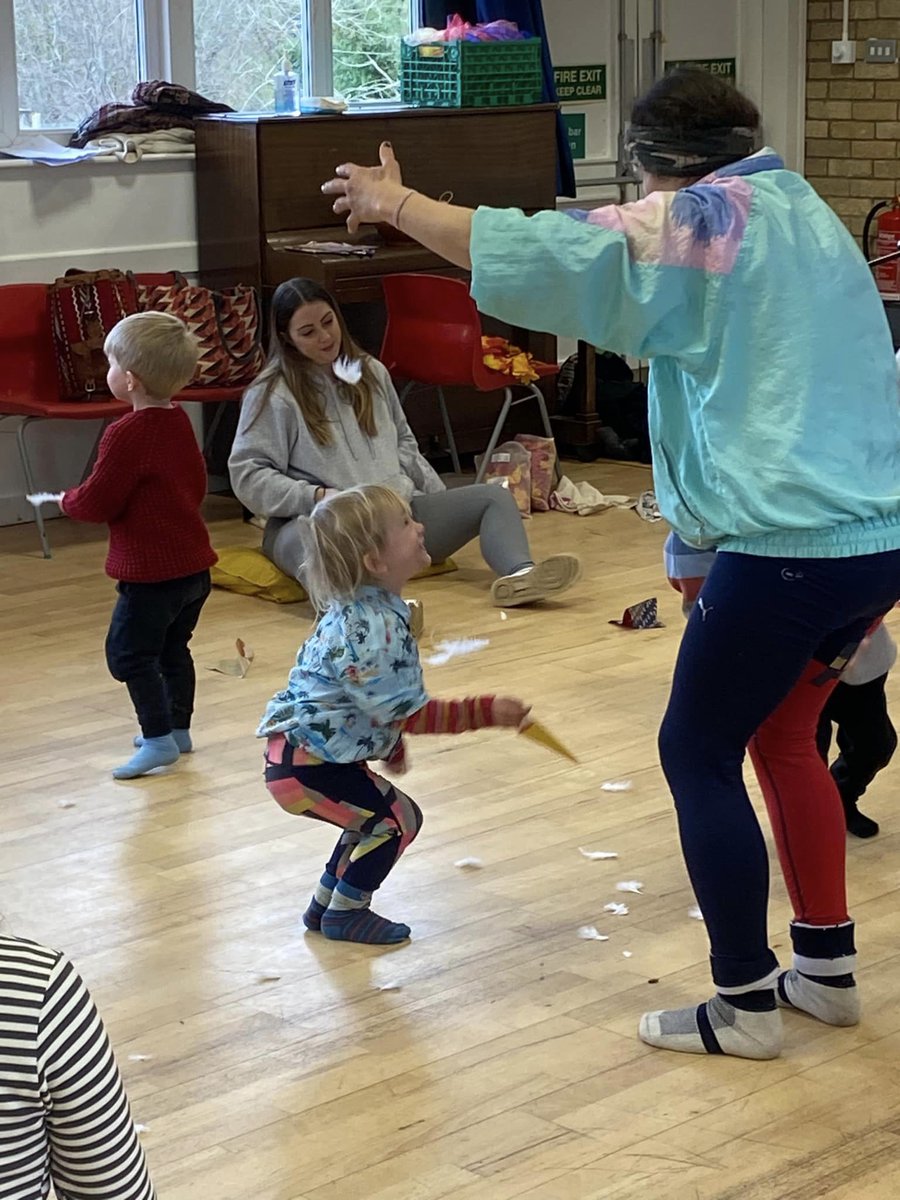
(590, 934)
(347, 369)
(39, 498)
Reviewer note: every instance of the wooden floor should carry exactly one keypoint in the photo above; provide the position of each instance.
(493, 1057)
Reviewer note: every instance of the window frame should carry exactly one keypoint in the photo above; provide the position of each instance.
(165, 30)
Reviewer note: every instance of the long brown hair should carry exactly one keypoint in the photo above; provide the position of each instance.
(285, 362)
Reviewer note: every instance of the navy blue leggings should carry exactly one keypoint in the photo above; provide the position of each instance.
(761, 653)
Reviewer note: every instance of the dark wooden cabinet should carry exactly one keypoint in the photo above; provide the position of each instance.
(259, 180)
(258, 192)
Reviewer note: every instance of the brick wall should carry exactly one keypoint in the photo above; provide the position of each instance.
(852, 112)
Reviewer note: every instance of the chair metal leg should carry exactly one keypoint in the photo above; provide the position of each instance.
(495, 435)
(30, 485)
(448, 430)
(548, 428)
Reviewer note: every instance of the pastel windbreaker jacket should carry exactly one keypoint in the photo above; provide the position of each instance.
(774, 414)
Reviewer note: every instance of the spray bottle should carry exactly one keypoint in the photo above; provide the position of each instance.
(285, 83)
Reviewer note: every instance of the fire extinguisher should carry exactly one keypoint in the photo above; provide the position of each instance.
(887, 242)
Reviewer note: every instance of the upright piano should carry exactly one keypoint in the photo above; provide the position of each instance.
(259, 179)
(258, 193)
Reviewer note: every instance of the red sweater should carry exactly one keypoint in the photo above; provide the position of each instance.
(148, 484)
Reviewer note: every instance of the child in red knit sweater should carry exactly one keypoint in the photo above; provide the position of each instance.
(148, 484)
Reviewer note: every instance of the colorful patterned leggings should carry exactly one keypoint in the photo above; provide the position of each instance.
(378, 820)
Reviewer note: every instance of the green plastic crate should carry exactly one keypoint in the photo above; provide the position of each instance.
(471, 74)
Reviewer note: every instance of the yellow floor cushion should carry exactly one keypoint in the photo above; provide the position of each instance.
(247, 571)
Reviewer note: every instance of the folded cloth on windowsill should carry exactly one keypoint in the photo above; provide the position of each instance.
(131, 147)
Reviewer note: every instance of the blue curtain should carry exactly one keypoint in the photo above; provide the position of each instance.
(527, 14)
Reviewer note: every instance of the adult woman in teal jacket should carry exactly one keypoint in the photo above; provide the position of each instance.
(776, 438)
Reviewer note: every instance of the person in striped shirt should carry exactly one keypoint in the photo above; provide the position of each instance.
(64, 1115)
(355, 690)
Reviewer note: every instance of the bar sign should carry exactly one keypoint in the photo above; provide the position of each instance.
(574, 123)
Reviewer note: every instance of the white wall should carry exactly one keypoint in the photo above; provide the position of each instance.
(767, 37)
(89, 215)
(142, 217)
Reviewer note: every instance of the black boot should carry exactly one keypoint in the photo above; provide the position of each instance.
(858, 823)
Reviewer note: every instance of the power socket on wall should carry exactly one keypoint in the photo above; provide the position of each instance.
(843, 52)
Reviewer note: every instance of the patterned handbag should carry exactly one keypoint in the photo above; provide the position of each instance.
(84, 306)
(227, 324)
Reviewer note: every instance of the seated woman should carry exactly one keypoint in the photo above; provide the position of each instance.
(308, 428)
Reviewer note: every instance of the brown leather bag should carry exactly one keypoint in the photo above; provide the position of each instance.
(84, 307)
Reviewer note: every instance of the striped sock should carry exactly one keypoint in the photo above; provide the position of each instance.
(821, 982)
(746, 1024)
(321, 898)
(348, 918)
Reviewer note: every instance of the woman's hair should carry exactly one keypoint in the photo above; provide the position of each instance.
(691, 123)
(338, 535)
(285, 362)
(157, 348)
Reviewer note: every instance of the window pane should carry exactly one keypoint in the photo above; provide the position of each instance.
(239, 46)
(72, 58)
(367, 36)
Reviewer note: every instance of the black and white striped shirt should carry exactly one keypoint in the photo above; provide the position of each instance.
(64, 1115)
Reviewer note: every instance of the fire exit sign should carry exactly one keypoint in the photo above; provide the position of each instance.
(580, 83)
(725, 68)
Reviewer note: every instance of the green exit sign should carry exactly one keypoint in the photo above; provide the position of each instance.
(725, 68)
(580, 83)
(574, 123)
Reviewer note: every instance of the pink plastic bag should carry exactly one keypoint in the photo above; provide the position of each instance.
(510, 466)
(543, 468)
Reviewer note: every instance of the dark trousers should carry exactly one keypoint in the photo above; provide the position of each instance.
(147, 649)
(865, 736)
(760, 657)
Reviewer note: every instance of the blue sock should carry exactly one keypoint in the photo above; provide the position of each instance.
(155, 752)
(182, 740)
(348, 918)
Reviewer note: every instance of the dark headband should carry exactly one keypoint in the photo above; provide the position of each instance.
(688, 152)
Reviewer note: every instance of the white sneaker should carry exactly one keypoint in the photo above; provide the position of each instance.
(543, 581)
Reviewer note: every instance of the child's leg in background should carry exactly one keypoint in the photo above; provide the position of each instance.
(686, 569)
(379, 822)
(866, 740)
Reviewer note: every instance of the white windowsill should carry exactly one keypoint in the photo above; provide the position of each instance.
(100, 160)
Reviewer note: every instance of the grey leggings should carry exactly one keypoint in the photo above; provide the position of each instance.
(451, 519)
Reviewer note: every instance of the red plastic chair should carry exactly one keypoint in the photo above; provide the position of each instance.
(29, 387)
(433, 338)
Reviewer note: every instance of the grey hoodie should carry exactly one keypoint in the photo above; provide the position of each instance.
(276, 465)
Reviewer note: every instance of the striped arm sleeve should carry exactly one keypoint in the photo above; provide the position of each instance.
(95, 1153)
(451, 716)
